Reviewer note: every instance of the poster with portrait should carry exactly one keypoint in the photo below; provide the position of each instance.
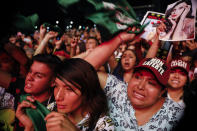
(154, 19)
(179, 22)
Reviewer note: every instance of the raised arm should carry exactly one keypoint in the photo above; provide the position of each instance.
(83, 55)
(101, 53)
(44, 42)
(152, 51)
(42, 33)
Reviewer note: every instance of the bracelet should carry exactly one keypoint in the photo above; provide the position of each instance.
(121, 40)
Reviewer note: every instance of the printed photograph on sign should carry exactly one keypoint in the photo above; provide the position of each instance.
(154, 19)
(179, 22)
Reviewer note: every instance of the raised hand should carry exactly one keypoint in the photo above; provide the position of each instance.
(50, 35)
(42, 33)
(42, 30)
(191, 44)
(125, 37)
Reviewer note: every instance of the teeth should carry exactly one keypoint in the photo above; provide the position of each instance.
(28, 85)
(175, 81)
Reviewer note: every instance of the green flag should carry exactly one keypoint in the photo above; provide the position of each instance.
(114, 15)
(111, 16)
(66, 3)
(25, 24)
(36, 115)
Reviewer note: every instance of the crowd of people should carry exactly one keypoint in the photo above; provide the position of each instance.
(86, 83)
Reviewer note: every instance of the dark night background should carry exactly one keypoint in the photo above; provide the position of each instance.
(49, 11)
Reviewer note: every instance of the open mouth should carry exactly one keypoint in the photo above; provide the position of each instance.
(175, 81)
(28, 86)
(126, 64)
(138, 95)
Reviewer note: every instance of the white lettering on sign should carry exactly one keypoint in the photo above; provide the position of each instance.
(155, 63)
(179, 63)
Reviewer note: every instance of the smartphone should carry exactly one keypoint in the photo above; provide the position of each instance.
(57, 38)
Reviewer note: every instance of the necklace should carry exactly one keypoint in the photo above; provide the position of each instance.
(51, 106)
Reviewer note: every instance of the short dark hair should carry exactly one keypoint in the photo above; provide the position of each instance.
(52, 61)
(97, 42)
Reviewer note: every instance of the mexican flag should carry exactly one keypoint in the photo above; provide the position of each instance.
(111, 15)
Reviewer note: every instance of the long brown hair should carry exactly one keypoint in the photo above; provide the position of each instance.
(80, 72)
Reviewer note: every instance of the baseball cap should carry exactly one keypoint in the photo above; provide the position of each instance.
(157, 66)
(178, 63)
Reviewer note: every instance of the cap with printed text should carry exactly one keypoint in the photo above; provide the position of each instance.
(178, 63)
(157, 66)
